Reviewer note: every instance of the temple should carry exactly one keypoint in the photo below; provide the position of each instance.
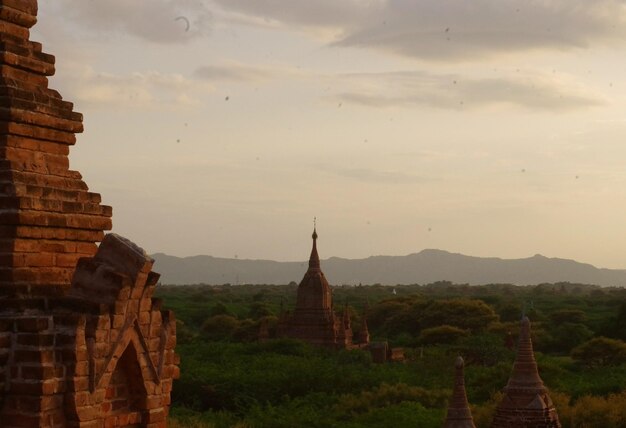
(526, 402)
(82, 341)
(459, 413)
(313, 319)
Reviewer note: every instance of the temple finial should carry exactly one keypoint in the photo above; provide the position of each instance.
(314, 260)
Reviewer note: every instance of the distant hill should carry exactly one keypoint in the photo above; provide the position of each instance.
(421, 268)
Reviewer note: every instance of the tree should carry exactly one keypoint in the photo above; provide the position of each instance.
(474, 315)
(569, 335)
(574, 316)
(220, 309)
(220, 327)
(601, 351)
(442, 334)
(260, 310)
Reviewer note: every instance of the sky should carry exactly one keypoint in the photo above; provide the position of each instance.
(223, 127)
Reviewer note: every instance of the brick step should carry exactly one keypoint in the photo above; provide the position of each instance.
(37, 132)
(24, 245)
(12, 95)
(7, 71)
(14, 29)
(53, 205)
(26, 6)
(28, 182)
(41, 162)
(21, 57)
(35, 232)
(52, 219)
(11, 114)
(63, 195)
(17, 16)
(36, 92)
(19, 260)
(30, 275)
(47, 147)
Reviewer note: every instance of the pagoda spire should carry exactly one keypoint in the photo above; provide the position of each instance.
(314, 260)
(459, 413)
(525, 372)
(526, 402)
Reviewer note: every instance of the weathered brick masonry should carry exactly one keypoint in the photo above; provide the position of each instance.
(82, 341)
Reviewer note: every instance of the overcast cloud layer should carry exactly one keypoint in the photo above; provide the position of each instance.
(448, 91)
(158, 21)
(451, 29)
(487, 127)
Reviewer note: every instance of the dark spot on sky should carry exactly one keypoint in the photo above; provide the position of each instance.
(227, 98)
(187, 24)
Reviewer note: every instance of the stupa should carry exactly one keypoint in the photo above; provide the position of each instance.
(459, 413)
(526, 402)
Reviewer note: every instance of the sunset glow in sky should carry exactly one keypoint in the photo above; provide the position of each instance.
(490, 127)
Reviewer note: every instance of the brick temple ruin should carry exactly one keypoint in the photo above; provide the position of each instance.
(82, 341)
(526, 402)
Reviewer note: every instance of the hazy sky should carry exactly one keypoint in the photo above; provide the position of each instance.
(487, 127)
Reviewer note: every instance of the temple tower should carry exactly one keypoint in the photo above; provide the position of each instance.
(82, 342)
(459, 413)
(526, 403)
(48, 218)
(313, 320)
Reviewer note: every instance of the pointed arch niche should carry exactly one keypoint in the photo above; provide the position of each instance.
(126, 392)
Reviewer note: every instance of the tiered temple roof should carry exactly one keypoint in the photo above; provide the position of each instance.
(526, 402)
(48, 217)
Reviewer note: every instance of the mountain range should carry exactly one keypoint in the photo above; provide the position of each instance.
(424, 267)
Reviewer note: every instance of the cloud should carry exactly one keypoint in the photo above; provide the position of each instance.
(373, 175)
(449, 91)
(237, 72)
(152, 20)
(146, 90)
(318, 13)
(451, 29)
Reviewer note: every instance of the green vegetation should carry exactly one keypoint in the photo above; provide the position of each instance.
(228, 379)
